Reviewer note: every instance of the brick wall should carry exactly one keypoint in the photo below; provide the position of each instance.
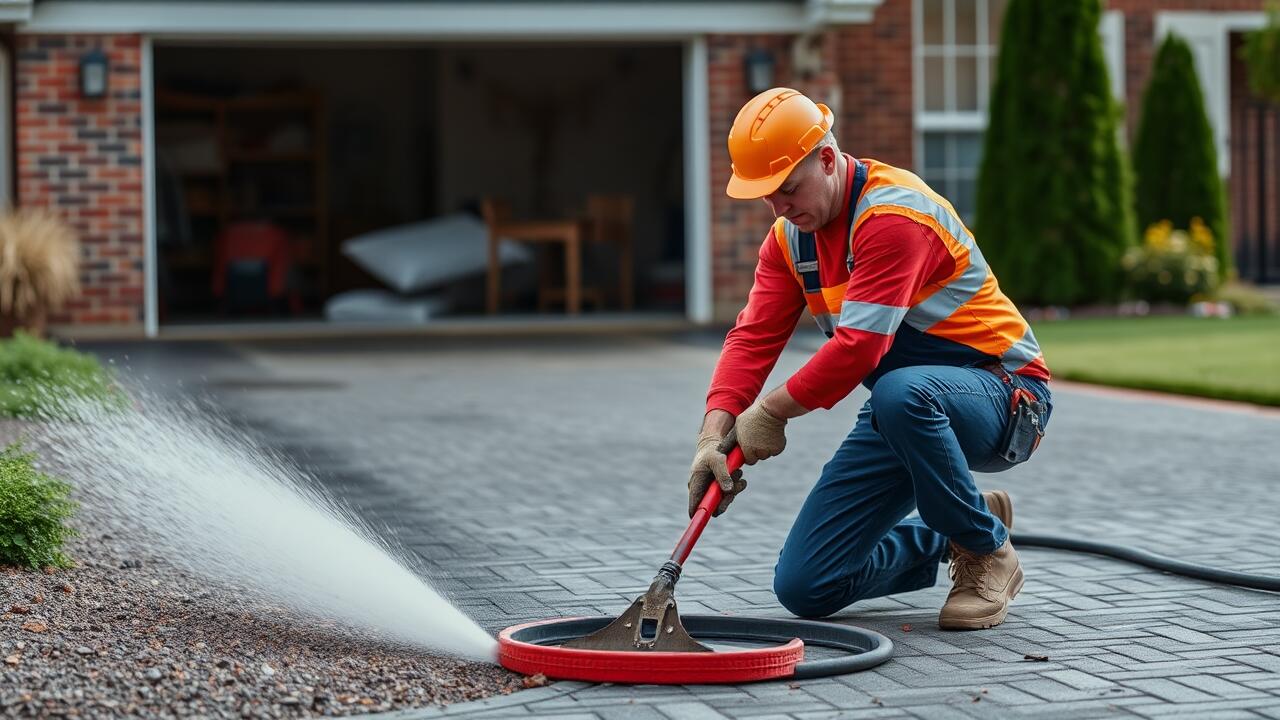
(84, 159)
(874, 64)
(865, 79)
(737, 226)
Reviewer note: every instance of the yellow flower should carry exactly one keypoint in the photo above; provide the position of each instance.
(1201, 236)
(1157, 234)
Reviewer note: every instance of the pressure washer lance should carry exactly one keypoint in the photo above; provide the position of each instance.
(652, 623)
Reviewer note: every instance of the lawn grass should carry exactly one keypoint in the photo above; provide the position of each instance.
(1235, 359)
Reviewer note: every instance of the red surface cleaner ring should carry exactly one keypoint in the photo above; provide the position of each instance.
(624, 666)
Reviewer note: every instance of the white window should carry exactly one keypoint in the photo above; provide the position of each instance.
(956, 43)
(955, 54)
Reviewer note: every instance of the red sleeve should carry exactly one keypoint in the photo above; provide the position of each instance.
(893, 258)
(764, 326)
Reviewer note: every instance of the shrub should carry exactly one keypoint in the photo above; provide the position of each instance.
(37, 376)
(1174, 158)
(33, 508)
(1245, 299)
(1172, 265)
(1055, 209)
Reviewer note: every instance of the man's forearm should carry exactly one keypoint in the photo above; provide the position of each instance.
(718, 422)
(781, 405)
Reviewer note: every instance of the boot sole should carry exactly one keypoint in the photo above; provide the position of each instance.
(992, 620)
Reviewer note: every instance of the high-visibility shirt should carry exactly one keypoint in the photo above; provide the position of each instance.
(904, 284)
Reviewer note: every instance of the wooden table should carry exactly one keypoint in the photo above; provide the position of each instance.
(569, 232)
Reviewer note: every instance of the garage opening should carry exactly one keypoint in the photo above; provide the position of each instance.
(383, 184)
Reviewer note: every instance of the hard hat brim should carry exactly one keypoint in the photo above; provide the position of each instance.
(743, 189)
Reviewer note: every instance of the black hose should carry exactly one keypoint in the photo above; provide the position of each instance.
(864, 649)
(1148, 559)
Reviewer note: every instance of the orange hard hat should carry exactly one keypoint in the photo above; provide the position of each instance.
(771, 135)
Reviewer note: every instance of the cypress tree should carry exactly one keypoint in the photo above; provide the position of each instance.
(1054, 211)
(1174, 159)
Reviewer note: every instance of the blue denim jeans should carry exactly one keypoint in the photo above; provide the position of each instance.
(916, 441)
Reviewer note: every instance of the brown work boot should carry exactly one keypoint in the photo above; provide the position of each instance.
(1001, 506)
(983, 585)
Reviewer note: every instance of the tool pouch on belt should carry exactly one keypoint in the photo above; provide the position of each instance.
(1024, 428)
(1023, 432)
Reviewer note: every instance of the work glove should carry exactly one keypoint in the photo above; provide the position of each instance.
(760, 433)
(711, 464)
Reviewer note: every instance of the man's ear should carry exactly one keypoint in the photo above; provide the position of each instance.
(827, 155)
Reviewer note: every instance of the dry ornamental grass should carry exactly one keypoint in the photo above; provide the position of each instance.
(39, 265)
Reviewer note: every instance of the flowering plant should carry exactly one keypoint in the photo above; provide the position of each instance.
(1171, 264)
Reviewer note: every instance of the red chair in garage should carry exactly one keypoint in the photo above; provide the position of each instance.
(253, 268)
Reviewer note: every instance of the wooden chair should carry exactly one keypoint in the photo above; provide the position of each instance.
(611, 218)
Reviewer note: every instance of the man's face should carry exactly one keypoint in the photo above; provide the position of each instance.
(805, 197)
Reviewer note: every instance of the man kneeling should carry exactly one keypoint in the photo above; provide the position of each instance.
(958, 383)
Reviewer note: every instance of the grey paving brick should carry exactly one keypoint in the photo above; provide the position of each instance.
(1051, 690)
(1228, 715)
(756, 710)
(941, 712)
(1004, 694)
(1199, 709)
(866, 713)
(1271, 684)
(1078, 680)
(1143, 653)
(1220, 687)
(689, 711)
(840, 696)
(929, 696)
(929, 665)
(1169, 690)
(630, 712)
(1161, 669)
(1185, 635)
(1266, 660)
(1251, 677)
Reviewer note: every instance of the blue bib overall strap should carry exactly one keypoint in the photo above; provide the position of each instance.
(807, 257)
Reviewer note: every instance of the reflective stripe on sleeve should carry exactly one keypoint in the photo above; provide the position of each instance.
(871, 317)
